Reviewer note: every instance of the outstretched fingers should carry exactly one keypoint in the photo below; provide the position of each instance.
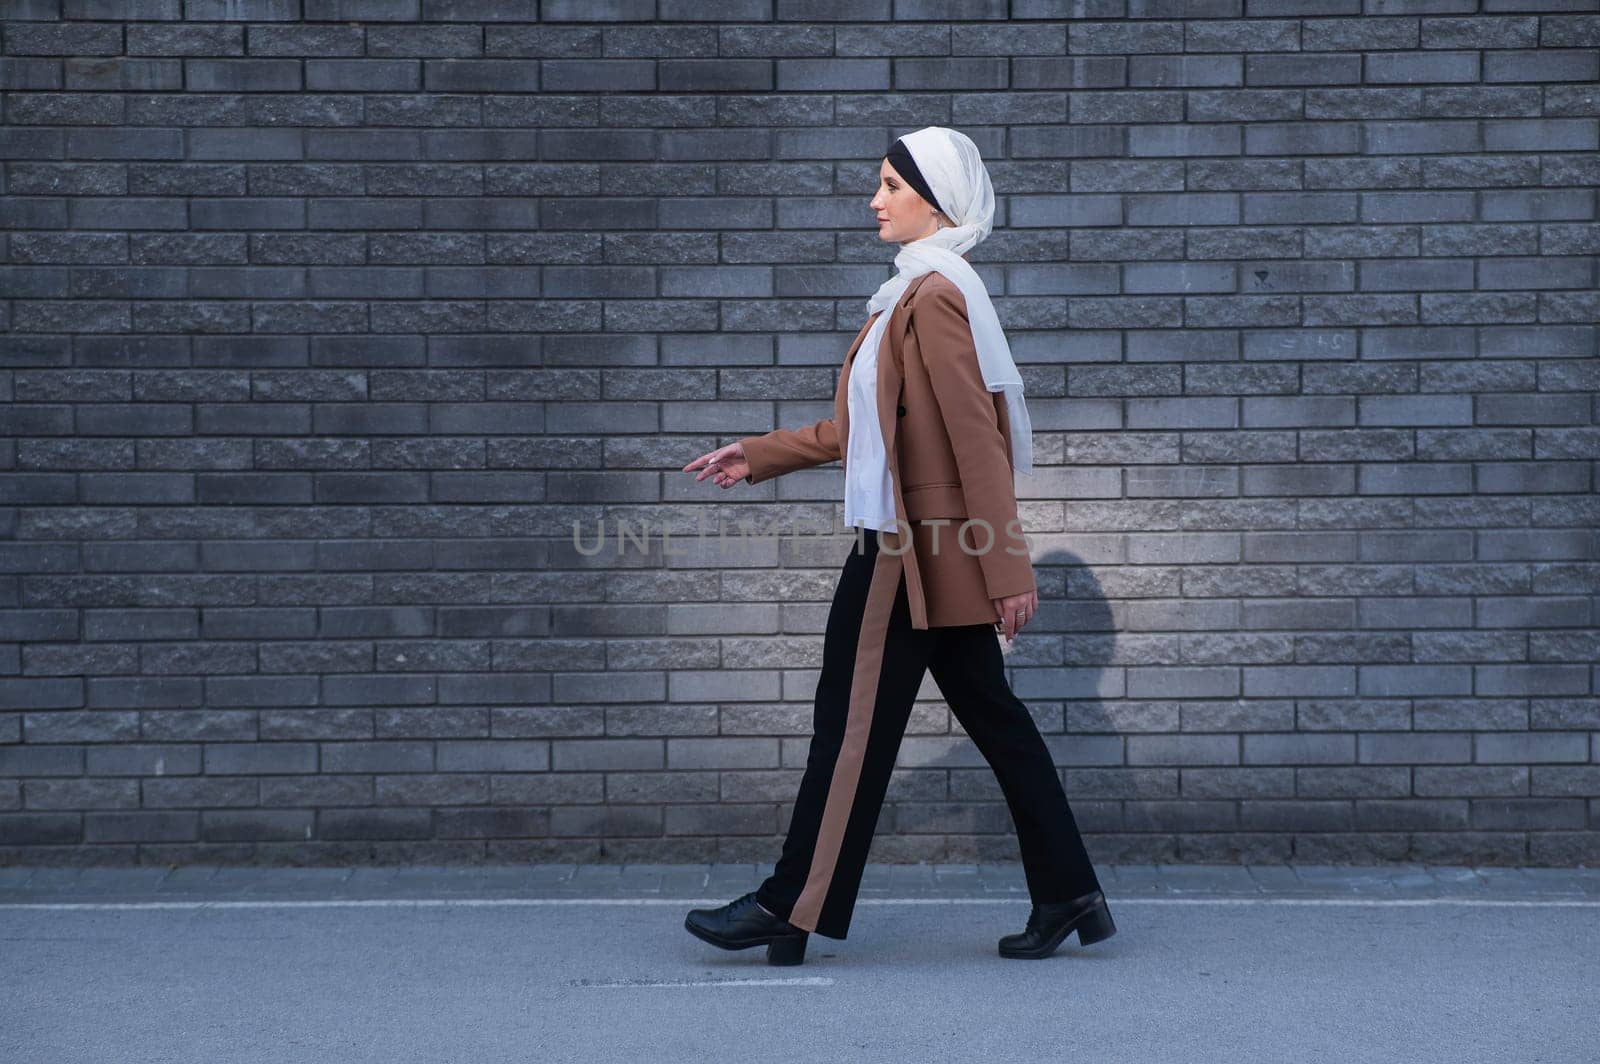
(710, 465)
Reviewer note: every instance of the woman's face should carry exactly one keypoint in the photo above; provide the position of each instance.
(903, 215)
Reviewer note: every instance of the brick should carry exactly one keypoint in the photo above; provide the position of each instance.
(1297, 749)
(1244, 244)
(1479, 172)
(242, 75)
(1410, 138)
(42, 38)
(1246, 105)
(949, 73)
(1390, 207)
(1302, 138)
(1358, 34)
(1309, 207)
(1425, 68)
(1369, 104)
(1187, 277)
(1542, 65)
(1052, 211)
(1306, 7)
(1239, 35)
(1183, 209)
(1183, 141)
(1379, 748)
(1547, 272)
(1429, 275)
(362, 10)
(1492, 32)
(1244, 174)
(1554, 134)
(242, 10)
(1302, 69)
(1125, 106)
(1532, 748)
(1159, 71)
(363, 75)
(1470, 101)
(1479, 239)
(1119, 38)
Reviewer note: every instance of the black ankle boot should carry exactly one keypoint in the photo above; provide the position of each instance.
(1049, 925)
(742, 923)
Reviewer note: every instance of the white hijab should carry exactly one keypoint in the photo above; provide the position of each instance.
(955, 173)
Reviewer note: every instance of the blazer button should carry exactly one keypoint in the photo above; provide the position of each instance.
(902, 411)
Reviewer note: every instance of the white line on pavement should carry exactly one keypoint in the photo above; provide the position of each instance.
(423, 903)
(630, 984)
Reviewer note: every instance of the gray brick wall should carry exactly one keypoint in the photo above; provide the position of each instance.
(325, 320)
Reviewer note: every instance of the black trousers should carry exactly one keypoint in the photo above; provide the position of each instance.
(872, 666)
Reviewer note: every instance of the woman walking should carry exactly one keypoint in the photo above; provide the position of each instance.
(930, 422)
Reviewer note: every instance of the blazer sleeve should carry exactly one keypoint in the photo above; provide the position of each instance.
(944, 338)
(786, 450)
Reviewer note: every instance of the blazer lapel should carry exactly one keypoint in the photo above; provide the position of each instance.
(891, 371)
(890, 375)
(841, 394)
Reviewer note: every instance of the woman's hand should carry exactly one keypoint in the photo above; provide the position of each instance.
(728, 464)
(1014, 611)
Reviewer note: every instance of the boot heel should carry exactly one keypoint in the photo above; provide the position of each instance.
(791, 950)
(1096, 925)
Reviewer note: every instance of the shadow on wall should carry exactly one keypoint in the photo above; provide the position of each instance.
(1068, 645)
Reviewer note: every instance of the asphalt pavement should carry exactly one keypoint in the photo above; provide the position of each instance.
(547, 963)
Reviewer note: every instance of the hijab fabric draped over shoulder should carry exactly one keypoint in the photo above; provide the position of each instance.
(950, 166)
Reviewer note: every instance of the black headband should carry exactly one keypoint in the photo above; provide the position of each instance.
(900, 158)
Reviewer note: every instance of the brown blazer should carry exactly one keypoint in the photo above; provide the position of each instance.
(948, 439)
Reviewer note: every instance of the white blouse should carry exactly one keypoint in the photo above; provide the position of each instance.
(868, 487)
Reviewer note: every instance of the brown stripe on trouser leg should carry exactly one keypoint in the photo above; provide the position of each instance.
(857, 730)
(873, 664)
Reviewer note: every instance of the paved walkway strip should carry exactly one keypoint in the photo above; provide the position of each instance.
(715, 883)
